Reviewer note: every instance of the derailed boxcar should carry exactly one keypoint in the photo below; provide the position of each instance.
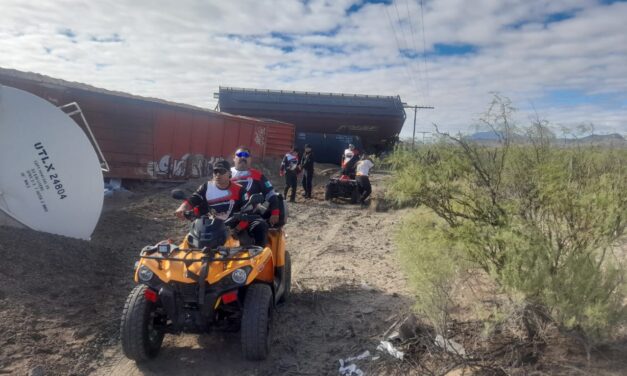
(147, 138)
(376, 120)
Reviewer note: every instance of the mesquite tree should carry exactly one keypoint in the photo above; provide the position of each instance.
(543, 220)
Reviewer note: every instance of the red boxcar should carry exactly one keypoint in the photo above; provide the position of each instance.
(146, 138)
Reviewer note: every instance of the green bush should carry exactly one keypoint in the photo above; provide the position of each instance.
(542, 220)
(432, 262)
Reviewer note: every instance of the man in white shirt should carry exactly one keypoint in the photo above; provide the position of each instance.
(363, 181)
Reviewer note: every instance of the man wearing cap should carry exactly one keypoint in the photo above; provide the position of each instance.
(254, 181)
(307, 166)
(223, 197)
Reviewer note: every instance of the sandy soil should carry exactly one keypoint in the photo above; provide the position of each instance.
(61, 299)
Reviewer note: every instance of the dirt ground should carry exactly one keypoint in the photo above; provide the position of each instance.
(61, 299)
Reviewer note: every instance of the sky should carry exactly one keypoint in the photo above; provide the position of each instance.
(564, 61)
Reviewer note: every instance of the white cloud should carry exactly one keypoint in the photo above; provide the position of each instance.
(183, 51)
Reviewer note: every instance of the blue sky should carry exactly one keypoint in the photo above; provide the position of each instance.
(562, 60)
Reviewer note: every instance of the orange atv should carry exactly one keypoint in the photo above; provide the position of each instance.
(210, 280)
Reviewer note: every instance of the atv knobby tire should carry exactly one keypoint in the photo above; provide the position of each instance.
(287, 278)
(328, 195)
(355, 195)
(256, 322)
(140, 341)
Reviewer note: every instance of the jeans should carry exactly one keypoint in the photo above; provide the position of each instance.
(307, 182)
(291, 181)
(365, 189)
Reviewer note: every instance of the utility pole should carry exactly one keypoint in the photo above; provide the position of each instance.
(413, 137)
(423, 136)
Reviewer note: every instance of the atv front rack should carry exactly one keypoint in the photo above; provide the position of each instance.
(224, 253)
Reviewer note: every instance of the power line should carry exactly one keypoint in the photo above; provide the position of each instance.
(407, 71)
(405, 39)
(414, 43)
(424, 45)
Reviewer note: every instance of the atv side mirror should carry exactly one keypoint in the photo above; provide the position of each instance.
(178, 194)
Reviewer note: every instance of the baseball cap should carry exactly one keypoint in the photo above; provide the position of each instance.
(222, 164)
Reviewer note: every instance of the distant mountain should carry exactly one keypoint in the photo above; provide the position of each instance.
(601, 138)
(490, 136)
(605, 139)
(483, 136)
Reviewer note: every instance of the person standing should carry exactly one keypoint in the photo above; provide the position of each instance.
(307, 166)
(289, 169)
(362, 176)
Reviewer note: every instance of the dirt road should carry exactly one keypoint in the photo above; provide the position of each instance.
(62, 298)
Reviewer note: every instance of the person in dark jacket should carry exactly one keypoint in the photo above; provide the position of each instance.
(349, 160)
(307, 166)
(223, 198)
(254, 181)
(290, 169)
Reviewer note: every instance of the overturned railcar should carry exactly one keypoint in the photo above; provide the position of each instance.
(376, 120)
(147, 138)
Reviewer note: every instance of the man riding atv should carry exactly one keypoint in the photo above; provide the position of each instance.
(214, 278)
(345, 185)
(349, 161)
(254, 181)
(223, 197)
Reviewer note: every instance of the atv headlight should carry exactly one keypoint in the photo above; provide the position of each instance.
(239, 276)
(144, 273)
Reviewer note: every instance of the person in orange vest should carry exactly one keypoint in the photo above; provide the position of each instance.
(290, 169)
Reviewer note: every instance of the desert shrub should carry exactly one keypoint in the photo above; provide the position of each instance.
(432, 262)
(541, 220)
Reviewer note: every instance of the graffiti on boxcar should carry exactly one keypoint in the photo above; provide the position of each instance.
(260, 136)
(187, 166)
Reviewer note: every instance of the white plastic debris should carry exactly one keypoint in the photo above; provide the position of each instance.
(347, 368)
(350, 369)
(393, 336)
(450, 345)
(386, 346)
(361, 356)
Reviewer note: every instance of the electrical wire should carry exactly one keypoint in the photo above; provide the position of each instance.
(424, 45)
(414, 43)
(407, 70)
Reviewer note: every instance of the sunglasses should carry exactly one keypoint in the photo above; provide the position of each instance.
(219, 171)
(242, 154)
